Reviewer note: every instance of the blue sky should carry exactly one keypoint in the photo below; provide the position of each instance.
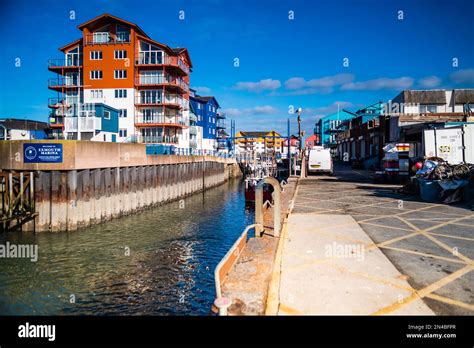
(283, 61)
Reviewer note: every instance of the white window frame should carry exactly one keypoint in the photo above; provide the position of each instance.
(120, 74)
(120, 54)
(106, 115)
(95, 55)
(96, 74)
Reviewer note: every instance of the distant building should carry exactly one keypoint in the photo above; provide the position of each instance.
(258, 142)
(294, 145)
(206, 109)
(18, 129)
(312, 141)
(326, 127)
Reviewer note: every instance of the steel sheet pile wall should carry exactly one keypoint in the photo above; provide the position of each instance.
(67, 200)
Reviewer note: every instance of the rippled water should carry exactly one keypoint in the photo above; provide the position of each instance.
(173, 253)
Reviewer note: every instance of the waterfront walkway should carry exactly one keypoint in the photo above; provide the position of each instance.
(352, 247)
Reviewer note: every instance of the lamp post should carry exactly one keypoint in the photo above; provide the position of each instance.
(298, 111)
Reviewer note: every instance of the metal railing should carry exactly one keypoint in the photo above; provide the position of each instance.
(166, 99)
(64, 82)
(107, 38)
(159, 58)
(177, 120)
(226, 264)
(169, 80)
(158, 139)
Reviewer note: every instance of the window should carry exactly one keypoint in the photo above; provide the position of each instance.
(106, 115)
(96, 55)
(120, 93)
(123, 132)
(427, 109)
(120, 54)
(120, 74)
(96, 74)
(199, 106)
(97, 94)
(123, 113)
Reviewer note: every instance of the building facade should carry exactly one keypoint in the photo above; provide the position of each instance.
(18, 129)
(209, 121)
(115, 63)
(253, 143)
(327, 127)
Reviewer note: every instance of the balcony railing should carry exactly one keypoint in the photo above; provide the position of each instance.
(83, 124)
(106, 38)
(168, 80)
(221, 115)
(71, 62)
(157, 139)
(162, 120)
(157, 58)
(220, 124)
(159, 100)
(192, 130)
(193, 143)
(64, 82)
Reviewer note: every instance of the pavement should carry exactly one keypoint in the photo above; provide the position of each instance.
(354, 247)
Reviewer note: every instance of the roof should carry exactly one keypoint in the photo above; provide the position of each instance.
(258, 134)
(464, 96)
(434, 96)
(71, 44)
(16, 123)
(204, 99)
(107, 15)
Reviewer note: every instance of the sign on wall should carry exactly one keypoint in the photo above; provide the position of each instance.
(42, 153)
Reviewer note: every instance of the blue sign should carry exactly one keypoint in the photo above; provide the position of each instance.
(42, 153)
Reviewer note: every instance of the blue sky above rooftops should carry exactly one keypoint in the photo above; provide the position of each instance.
(283, 60)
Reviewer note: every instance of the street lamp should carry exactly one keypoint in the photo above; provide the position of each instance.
(298, 111)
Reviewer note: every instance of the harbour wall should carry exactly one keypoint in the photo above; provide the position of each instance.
(96, 182)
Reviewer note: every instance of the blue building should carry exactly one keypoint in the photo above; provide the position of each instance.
(327, 127)
(96, 122)
(206, 110)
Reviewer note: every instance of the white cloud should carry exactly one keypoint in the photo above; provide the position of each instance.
(380, 83)
(463, 76)
(264, 110)
(321, 85)
(429, 81)
(202, 89)
(260, 86)
(256, 110)
(232, 111)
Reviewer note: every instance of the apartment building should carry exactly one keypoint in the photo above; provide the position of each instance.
(115, 63)
(209, 121)
(267, 142)
(23, 129)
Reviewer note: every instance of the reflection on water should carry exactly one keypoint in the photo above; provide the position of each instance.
(169, 270)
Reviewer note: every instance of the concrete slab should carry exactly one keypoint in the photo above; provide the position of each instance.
(328, 268)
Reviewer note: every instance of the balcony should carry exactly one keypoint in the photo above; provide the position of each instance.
(56, 121)
(169, 100)
(192, 118)
(64, 83)
(160, 121)
(68, 64)
(221, 115)
(173, 82)
(157, 139)
(192, 130)
(82, 124)
(193, 143)
(159, 59)
(220, 123)
(107, 38)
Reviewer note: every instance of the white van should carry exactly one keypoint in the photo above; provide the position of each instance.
(320, 160)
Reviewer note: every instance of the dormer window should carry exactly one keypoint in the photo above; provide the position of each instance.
(427, 109)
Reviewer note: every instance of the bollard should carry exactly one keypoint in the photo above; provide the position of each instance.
(259, 206)
(222, 303)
